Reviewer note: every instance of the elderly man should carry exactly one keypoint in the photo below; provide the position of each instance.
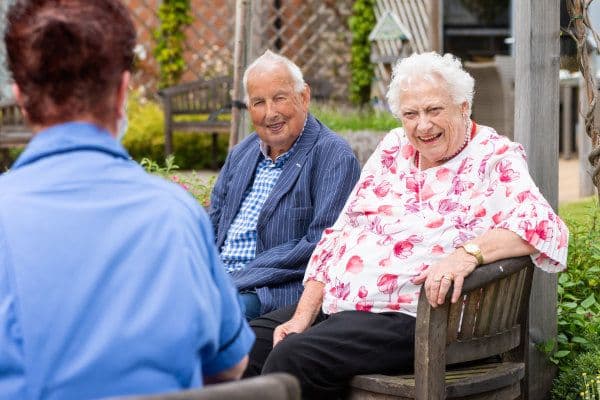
(110, 283)
(279, 188)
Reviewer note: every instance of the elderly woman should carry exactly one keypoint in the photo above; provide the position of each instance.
(110, 284)
(439, 196)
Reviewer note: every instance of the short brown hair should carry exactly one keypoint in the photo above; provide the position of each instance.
(67, 56)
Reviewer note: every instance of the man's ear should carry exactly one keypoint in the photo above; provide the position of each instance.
(122, 93)
(306, 96)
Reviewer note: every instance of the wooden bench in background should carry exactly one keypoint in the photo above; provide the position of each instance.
(13, 131)
(196, 107)
(490, 321)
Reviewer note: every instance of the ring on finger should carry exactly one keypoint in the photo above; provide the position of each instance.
(447, 277)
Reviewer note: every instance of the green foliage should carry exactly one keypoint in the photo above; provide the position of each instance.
(581, 380)
(578, 312)
(345, 118)
(578, 212)
(190, 181)
(145, 138)
(174, 16)
(361, 24)
(579, 291)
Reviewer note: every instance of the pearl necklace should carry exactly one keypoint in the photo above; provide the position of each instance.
(471, 127)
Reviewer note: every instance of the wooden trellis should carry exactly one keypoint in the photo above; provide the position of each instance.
(421, 21)
(312, 33)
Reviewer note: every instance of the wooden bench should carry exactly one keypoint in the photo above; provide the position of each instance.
(13, 130)
(489, 324)
(195, 107)
(278, 386)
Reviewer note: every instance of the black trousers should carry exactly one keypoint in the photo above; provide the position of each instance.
(326, 356)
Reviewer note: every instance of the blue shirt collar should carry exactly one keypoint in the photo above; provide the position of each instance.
(67, 137)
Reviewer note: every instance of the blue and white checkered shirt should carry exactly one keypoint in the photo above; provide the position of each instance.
(239, 247)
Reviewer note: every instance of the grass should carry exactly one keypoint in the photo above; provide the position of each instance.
(346, 118)
(579, 212)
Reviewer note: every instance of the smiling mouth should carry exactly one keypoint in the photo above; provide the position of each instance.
(275, 128)
(430, 139)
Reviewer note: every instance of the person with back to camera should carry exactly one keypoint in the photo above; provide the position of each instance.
(110, 283)
(439, 197)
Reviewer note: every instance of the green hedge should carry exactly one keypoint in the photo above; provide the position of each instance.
(577, 348)
(575, 383)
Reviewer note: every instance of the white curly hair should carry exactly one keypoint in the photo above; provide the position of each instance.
(430, 66)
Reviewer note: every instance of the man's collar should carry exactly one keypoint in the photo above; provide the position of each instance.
(264, 148)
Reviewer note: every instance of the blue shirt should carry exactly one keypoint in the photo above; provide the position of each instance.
(109, 282)
(239, 247)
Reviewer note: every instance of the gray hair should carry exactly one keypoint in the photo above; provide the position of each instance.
(428, 66)
(269, 60)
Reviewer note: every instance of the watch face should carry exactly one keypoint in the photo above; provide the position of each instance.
(471, 248)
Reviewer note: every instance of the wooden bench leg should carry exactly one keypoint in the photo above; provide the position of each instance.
(213, 162)
(168, 142)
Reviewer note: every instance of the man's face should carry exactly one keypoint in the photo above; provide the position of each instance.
(278, 112)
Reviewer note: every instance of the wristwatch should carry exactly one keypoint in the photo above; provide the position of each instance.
(474, 250)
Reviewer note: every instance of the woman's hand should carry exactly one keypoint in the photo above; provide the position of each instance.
(294, 325)
(306, 312)
(439, 277)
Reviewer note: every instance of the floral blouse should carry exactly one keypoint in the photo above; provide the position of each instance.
(399, 220)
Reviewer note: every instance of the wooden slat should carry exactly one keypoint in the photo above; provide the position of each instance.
(459, 382)
(487, 309)
(470, 314)
(507, 302)
(203, 127)
(482, 347)
(454, 315)
(518, 303)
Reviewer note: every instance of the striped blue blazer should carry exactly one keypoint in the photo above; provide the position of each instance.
(307, 198)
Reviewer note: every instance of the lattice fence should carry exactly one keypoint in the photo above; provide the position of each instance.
(312, 33)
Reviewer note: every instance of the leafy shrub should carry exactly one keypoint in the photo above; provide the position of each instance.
(579, 292)
(361, 24)
(577, 347)
(145, 138)
(575, 383)
(174, 16)
(191, 181)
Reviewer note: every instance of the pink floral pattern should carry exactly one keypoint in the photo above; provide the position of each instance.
(399, 220)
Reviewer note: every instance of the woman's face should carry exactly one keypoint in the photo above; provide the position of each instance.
(434, 124)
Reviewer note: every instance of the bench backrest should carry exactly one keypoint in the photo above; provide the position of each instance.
(489, 319)
(199, 97)
(13, 129)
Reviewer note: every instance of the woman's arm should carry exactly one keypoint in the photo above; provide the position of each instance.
(306, 312)
(495, 244)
